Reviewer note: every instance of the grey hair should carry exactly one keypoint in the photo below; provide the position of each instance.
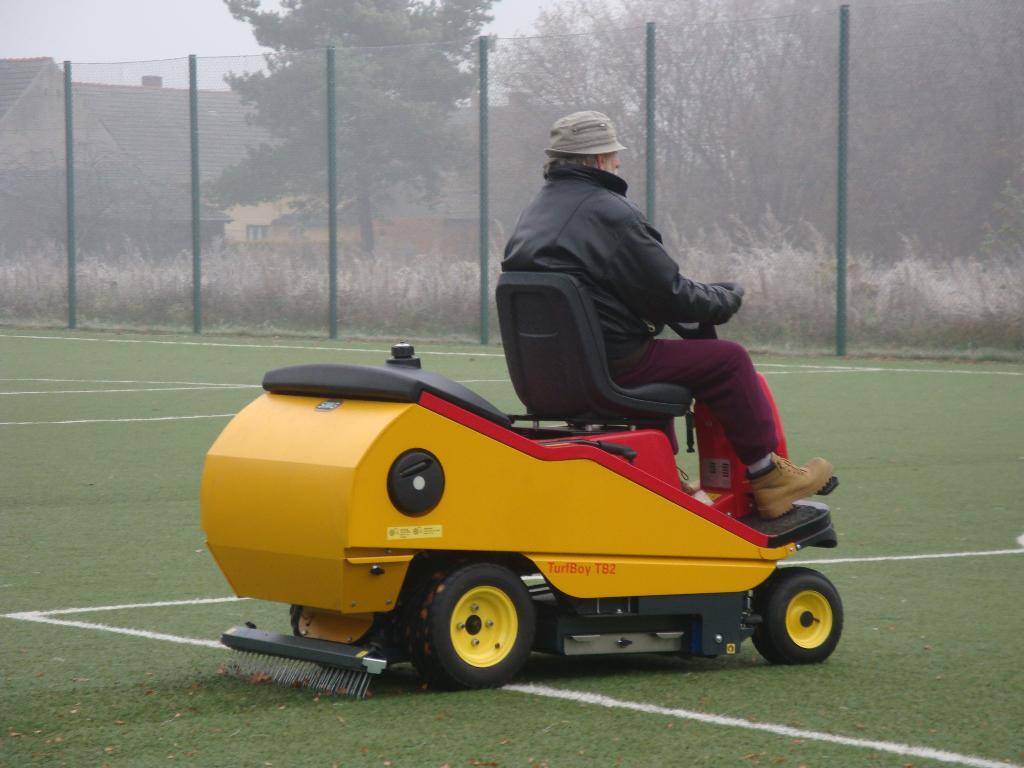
(587, 161)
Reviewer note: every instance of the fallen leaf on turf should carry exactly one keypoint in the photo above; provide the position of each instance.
(259, 678)
(504, 741)
(80, 679)
(474, 761)
(109, 748)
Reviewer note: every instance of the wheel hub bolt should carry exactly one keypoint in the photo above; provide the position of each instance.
(474, 607)
(475, 641)
(460, 625)
(488, 623)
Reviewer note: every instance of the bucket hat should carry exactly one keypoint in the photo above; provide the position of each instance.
(583, 133)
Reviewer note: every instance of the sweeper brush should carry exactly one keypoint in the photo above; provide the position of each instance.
(406, 519)
(331, 668)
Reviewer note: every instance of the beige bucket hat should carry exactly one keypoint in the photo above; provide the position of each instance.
(583, 133)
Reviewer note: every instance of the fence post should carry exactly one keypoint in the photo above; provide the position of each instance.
(69, 176)
(332, 195)
(197, 264)
(650, 92)
(843, 120)
(485, 237)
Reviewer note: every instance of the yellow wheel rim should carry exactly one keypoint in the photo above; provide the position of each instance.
(809, 619)
(484, 626)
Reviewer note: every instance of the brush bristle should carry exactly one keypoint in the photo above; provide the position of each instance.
(295, 673)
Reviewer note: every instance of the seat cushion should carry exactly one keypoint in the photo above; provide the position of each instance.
(659, 393)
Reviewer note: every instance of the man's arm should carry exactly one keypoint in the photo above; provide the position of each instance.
(648, 279)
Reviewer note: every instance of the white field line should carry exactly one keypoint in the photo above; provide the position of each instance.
(240, 346)
(130, 606)
(904, 750)
(815, 368)
(46, 617)
(432, 353)
(894, 558)
(580, 697)
(134, 381)
(120, 391)
(118, 421)
(42, 619)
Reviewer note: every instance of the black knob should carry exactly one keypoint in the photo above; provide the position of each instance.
(403, 353)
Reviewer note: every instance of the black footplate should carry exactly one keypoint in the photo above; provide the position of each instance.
(831, 485)
(808, 524)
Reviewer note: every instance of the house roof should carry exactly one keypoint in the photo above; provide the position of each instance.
(150, 125)
(16, 75)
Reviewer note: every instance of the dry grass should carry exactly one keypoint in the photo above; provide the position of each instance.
(957, 307)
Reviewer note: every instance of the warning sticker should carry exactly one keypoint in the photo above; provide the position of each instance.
(402, 532)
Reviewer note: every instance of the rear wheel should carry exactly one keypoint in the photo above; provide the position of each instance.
(802, 617)
(471, 628)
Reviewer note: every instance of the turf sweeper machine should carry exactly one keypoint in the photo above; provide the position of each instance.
(402, 517)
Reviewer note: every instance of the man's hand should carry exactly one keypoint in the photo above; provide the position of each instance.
(731, 295)
(734, 287)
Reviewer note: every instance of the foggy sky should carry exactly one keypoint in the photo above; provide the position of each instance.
(142, 30)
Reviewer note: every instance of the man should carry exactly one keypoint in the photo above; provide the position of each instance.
(582, 224)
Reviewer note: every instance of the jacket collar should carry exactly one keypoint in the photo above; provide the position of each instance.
(596, 176)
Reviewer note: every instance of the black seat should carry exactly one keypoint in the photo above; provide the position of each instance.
(556, 355)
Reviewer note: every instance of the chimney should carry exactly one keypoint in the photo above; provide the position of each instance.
(152, 81)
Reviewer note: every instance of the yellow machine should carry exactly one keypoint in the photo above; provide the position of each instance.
(403, 517)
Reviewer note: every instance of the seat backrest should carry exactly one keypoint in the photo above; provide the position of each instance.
(556, 354)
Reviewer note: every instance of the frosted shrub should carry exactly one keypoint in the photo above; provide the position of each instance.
(910, 303)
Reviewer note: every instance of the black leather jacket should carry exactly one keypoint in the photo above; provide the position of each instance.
(581, 223)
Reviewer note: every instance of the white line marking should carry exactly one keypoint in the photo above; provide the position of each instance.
(115, 421)
(240, 346)
(129, 606)
(134, 381)
(431, 352)
(891, 558)
(905, 750)
(121, 391)
(44, 619)
(813, 368)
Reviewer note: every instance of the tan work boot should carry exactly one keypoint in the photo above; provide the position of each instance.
(777, 489)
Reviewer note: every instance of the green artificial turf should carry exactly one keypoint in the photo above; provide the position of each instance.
(930, 457)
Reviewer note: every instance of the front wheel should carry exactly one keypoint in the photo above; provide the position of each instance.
(802, 617)
(472, 628)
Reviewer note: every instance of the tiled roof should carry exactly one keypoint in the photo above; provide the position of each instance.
(16, 75)
(151, 126)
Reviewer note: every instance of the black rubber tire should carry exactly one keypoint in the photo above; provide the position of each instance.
(808, 599)
(432, 645)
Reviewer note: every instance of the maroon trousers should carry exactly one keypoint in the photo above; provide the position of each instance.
(720, 374)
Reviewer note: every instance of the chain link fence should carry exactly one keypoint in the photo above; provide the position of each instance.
(731, 127)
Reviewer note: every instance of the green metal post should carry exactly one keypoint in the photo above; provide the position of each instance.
(332, 195)
(197, 262)
(650, 90)
(485, 236)
(69, 175)
(843, 121)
